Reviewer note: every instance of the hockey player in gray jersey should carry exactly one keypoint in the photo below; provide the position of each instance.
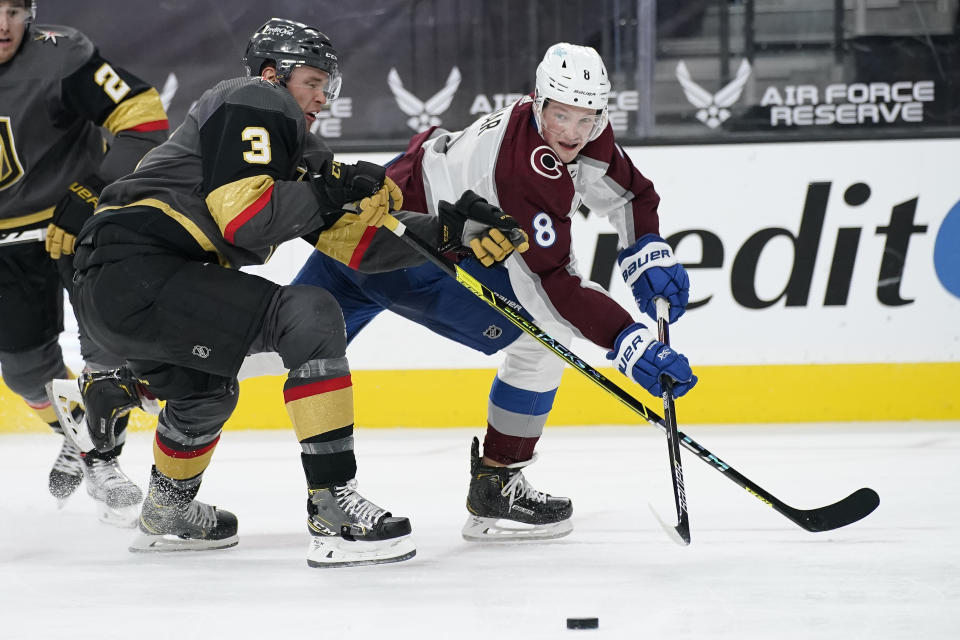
(158, 278)
(58, 97)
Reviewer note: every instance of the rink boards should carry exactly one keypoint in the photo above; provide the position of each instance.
(825, 286)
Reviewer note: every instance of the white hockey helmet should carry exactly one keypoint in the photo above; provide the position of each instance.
(575, 76)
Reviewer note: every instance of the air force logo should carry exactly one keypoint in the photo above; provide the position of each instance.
(423, 115)
(713, 107)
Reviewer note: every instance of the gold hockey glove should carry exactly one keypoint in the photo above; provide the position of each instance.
(70, 214)
(372, 210)
(485, 229)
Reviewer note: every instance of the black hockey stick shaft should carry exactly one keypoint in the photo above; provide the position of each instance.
(854, 507)
(682, 527)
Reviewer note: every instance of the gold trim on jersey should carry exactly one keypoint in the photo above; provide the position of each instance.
(140, 109)
(230, 203)
(340, 241)
(181, 219)
(30, 218)
(10, 168)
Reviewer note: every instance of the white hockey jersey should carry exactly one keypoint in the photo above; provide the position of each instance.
(503, 158)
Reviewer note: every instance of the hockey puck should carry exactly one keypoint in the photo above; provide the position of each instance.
(583, 623)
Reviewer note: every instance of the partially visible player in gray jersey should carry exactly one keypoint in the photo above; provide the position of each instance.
(158, 278)
(60, 100)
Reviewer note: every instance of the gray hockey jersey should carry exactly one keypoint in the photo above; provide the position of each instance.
(230, 176)
(55, 95)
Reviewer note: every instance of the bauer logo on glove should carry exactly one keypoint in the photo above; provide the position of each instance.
(644, 359)
(651, 270)
(70, 214)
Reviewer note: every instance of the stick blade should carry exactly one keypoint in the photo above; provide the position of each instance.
(857, 506)
(679, 534)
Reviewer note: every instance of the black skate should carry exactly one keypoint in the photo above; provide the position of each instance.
(504, 507)
(67, 472)
(107, 396)
(117, 497)
(171, 520)
(348, 530)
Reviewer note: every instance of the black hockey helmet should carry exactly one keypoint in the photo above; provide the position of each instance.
(287, 45)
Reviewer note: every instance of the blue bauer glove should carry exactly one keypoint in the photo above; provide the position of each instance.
(651, 270)
(642, 358)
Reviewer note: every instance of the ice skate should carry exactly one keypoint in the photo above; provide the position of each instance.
(348, 530)
(116, 496)
(171, 520)
(67, 472)
(504, 507)
(108, 397)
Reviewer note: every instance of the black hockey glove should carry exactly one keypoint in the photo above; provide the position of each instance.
(337, 184)
(362, 189)
(314, 161)
(475, 224)
(70, 214)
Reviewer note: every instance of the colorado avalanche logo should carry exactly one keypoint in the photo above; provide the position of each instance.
(545, 162)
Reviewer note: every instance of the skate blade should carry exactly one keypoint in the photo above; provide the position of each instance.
(150, 543)
(123, 517)
(62, 500)
(334, 551)
(478, 529)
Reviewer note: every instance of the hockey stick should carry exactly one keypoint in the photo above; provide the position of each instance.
(854, 507)
(681, 532)
(20, 237)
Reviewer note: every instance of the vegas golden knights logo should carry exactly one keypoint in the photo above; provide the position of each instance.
(10, 168)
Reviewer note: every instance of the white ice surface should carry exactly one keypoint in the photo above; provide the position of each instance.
(749, 573)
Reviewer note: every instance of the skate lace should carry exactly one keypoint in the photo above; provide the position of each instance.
(518, 488)
(356, 506)
(108, 475)
(68, 460)
(201, 514)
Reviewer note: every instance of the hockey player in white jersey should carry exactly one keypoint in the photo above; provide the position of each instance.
(539, 159)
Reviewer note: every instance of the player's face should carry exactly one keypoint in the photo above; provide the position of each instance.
(306, 85)
(13, 17)
(566, 128)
